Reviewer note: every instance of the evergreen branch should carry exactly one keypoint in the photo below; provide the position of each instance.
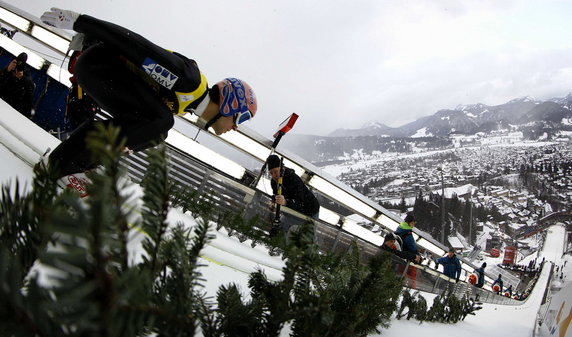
(155, 202)
(20, 314)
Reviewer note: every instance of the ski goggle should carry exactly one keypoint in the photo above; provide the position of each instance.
(242, 117)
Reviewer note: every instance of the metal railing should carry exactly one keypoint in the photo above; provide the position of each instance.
(232, 195)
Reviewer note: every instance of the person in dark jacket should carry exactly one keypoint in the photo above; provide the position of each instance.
(481, 275)
(451, 265)
(405, 231)
(142, 86)
(16, 85)
(295, 194)
(499, 282)
(509, 290)
(390, 246)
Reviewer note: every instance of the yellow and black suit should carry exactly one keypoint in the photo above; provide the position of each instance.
(137, 82)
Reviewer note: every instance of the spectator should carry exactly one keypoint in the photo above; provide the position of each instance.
(499, 282)
(509, 290)
(295, 194)
(481, 275)
(16, 85)
(451, 265)
(390, 246)
(405, 231)
(141, 85)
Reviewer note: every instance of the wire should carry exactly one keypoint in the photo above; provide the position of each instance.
(62, 66)
(45, 55)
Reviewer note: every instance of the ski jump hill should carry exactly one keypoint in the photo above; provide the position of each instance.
(200, 168)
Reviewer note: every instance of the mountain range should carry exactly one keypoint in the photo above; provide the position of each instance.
(534, 118)
(470, 119)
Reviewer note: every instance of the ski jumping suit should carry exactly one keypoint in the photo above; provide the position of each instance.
(139, 83)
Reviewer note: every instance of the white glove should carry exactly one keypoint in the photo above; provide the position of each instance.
(60, 18)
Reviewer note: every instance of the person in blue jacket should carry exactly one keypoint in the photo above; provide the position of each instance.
(499, 282)
(405, 231)
(481, 275)
(451, 265)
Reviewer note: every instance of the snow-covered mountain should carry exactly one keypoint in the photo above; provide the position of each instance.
(470, 119)
(368, 129)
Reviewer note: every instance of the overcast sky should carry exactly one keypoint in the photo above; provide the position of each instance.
(342, 64)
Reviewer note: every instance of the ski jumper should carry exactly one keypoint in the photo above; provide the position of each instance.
(137, 82)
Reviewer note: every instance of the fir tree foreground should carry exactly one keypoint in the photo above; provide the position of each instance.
(97, 288)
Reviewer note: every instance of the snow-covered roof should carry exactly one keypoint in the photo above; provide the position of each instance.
(455, 242)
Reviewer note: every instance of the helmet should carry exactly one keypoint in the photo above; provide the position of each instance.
(236, 98)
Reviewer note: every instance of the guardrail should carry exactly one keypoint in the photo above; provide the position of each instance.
(198, 167)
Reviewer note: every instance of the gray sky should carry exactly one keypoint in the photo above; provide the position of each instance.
(346, 63)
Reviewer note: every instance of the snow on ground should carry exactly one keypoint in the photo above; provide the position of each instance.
(227, 260)
(461, 190)
(554, 245)
(374, 158)
(11, 168)
(422, 133)
(367, 160)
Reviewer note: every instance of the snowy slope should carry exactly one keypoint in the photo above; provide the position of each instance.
(227, 260)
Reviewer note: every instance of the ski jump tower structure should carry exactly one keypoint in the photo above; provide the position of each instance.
(201, 168)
